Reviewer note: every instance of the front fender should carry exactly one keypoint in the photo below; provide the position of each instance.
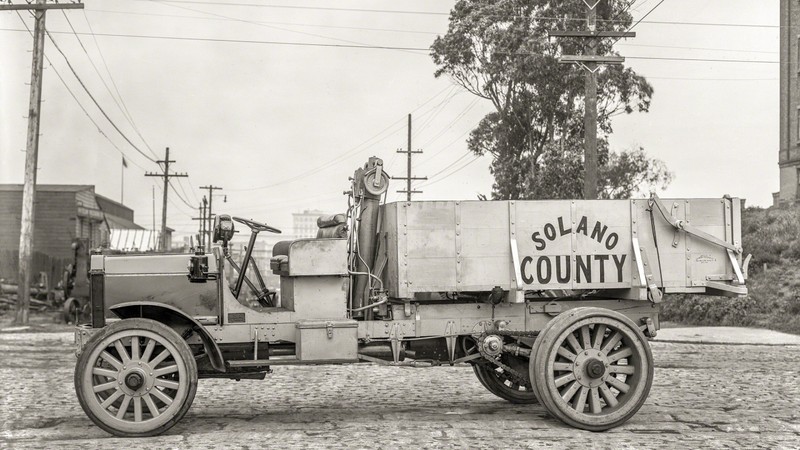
(169, 315)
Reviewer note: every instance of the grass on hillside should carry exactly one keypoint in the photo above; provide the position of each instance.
(772, 236)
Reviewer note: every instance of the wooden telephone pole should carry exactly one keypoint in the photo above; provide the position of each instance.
(201, 240)
(210, 215)
(408, 191)
(31, 152)
(590, 62)
(166, 175)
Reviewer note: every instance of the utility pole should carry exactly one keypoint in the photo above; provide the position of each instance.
(166, 175)
(408, 191)
(155, 244)
(31, 152)
(202, 230)
(210, 215)
(590, 62)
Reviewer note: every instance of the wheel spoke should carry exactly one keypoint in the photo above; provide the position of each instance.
(148, 350)
(135, 348)
(624, 352)
(112, 399)
(162, 396)
(124, 406)
(104, 372)
(573, 342)
(612, 342)
(580, 401)
(571, 391)
(567, 354)
(137, 409)
(161, 357)
(151, 405)
(562, 380)
(107, 357)
(122, 352)
(166, 370)
(586, 339)
(594, 401)
(619, 385)
(608, 396)
(627, 370)
(599, 334)
(560, 366)
(166, 383)
(105, 386)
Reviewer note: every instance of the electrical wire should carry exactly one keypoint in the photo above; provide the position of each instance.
(236, 19)
(86, 89)
(122, 110)
(74, 97)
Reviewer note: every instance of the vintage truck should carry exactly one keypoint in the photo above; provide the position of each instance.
(548, 301)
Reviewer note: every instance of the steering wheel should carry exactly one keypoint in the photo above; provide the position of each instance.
(257, 226)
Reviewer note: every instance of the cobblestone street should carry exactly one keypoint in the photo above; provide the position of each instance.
(709, 396)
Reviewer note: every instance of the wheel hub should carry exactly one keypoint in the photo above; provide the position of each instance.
(590, 368)
(134, 381)
(492, 345)
(595, 368)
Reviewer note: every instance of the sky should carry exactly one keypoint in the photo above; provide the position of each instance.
(272, 102)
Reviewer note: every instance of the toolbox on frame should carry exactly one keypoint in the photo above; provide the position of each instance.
(319, 340)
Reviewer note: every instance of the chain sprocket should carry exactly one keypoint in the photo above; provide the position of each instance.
(517, 377)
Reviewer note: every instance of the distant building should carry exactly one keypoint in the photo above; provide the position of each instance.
(305, 223)
(789, 151)
(62, 213)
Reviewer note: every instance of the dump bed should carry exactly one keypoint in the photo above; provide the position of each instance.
(680, 245)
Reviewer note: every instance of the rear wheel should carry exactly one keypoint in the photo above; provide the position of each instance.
(592, 368)
(137, 377)
(503, 384)
(497, 380)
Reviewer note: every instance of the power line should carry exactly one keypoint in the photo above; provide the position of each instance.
(296, 24)
(74, 97)
(94, 100)
(249, 41)
(311, 44)
(318, 8)
(346, 154)
(123, 111)
(664, 58)
(236, 19)
(451, 173)
(438, 13)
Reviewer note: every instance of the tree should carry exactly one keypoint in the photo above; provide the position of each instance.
(500, 51)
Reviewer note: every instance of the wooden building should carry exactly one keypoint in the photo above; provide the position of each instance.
(62, 213)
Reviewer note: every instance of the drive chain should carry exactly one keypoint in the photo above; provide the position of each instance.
(517, 377)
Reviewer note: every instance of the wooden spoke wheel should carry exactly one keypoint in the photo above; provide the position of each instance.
(592, 368)
(498, 381)
(76, 310)
(502, 384)
(136, 377)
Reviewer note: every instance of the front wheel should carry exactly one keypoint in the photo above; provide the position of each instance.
(592, 368)
(135, 378)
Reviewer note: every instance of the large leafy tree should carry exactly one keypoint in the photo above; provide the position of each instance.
(499, 50)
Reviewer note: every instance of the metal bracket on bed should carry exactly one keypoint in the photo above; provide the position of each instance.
(645, 274)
